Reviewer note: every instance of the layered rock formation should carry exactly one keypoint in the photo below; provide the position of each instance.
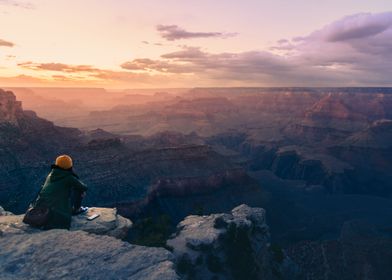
(211, 111)
(182, 196)
(330, 123)
(228, 246)
(339, 161)
(316, 169)
(10, 109)
(118, 169)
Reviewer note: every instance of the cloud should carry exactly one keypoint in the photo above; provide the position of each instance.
(356, 41)
(358, 26)
(146, 64)
(352, 51)
(76, 75)
(4, 43)
(243, 66)
(19, 4)
(174, 32)
(21, 80)
(357, 48)
(187, 54)
(59, 67)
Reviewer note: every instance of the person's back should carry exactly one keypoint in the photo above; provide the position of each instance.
(56, 193)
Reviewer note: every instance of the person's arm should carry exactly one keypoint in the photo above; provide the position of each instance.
(77, 184)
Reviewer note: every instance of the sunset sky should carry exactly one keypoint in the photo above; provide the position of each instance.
(189, 43)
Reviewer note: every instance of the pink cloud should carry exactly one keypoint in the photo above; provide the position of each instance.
(4, 43)
(174, 32)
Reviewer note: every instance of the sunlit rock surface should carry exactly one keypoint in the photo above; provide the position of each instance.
(90, 250)
(108, 223)
(60, 254)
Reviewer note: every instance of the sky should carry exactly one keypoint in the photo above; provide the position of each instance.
(189, 43)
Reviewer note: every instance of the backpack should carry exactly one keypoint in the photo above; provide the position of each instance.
(37, 216)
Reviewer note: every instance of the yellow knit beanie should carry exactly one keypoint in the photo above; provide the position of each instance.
(64, 162)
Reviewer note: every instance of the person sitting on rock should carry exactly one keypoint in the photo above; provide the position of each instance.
(62, 193)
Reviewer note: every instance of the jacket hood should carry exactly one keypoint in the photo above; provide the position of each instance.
(58, 173)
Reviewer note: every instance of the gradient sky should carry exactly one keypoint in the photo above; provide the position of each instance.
(179, 43)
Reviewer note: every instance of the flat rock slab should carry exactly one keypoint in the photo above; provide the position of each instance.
(108, 223)
(61, 254)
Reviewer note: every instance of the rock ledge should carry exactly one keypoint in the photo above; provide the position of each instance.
(108, 223)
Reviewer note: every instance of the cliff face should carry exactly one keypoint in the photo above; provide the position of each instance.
(10, 109)
(26, 142)
(197, 185)
(229, 246)
(182, 196)
(335, 159)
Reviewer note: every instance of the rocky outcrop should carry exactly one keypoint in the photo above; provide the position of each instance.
(313, 167)
(59, 254)
(10, 109)
(197, 185)
(108, 223)
(227, 246)
(183, 196)
(90, 250)
(218, 246)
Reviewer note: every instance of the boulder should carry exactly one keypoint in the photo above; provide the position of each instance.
(108, 223)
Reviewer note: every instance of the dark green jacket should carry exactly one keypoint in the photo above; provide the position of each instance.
(55, 194)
